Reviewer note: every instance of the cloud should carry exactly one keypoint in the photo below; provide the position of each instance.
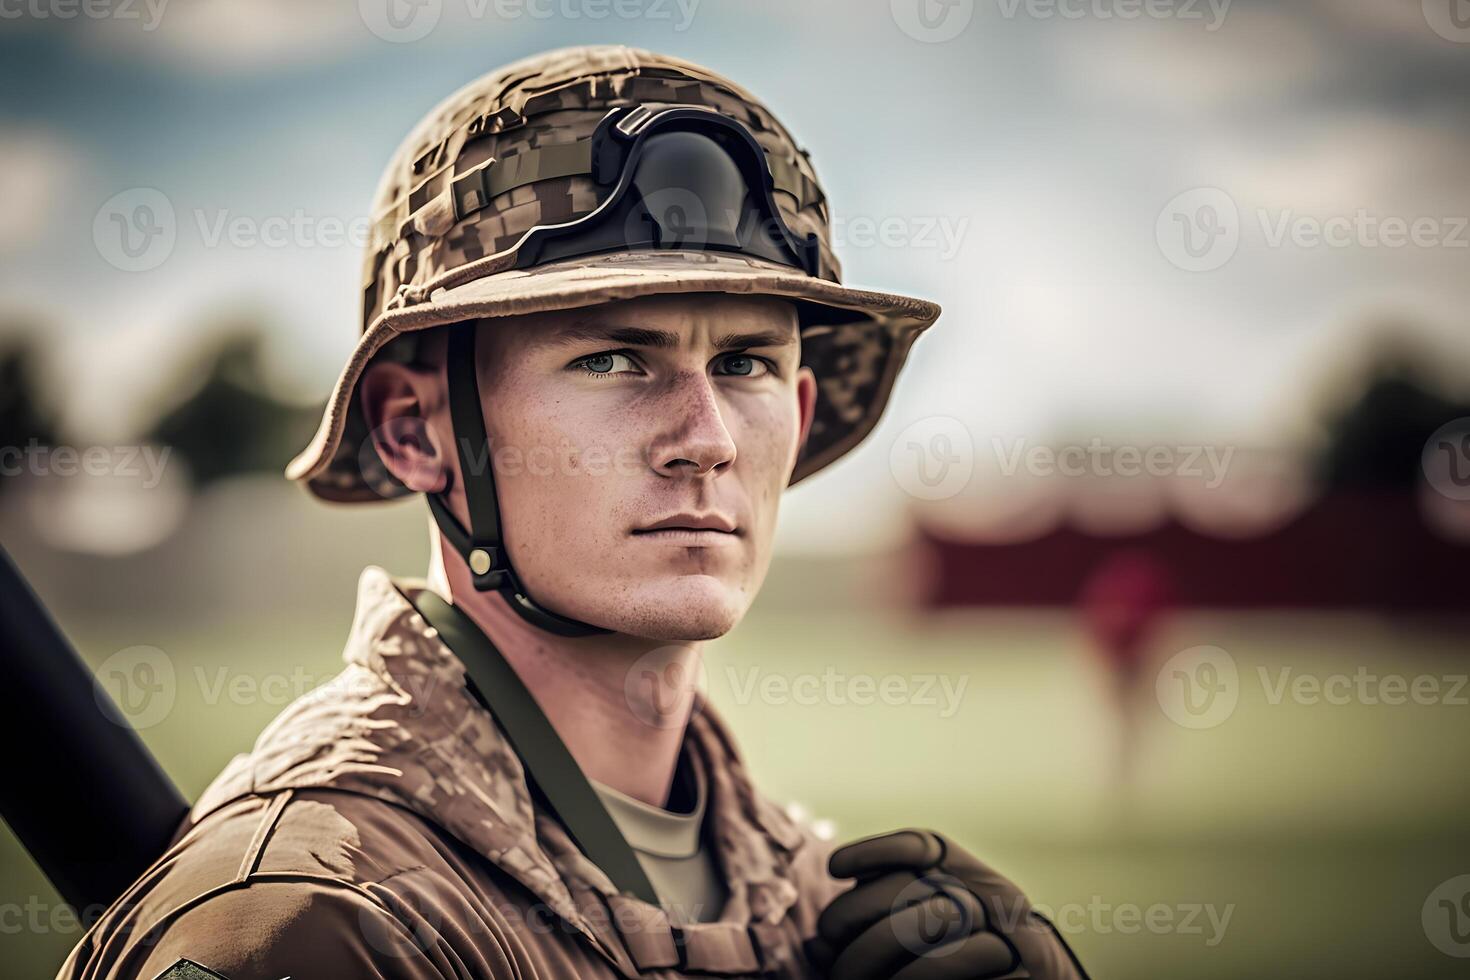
(231, 36)
(1177, 66)
(39, 166)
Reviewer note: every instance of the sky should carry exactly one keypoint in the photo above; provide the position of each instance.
(1162, 222)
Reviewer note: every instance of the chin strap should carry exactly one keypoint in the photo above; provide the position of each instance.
(482, 546)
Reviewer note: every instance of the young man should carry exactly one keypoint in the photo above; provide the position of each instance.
(603, 330)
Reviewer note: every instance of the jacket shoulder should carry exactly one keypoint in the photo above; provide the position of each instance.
(269, 929)
(285, 884)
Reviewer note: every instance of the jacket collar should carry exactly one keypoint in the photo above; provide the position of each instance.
(399, 724)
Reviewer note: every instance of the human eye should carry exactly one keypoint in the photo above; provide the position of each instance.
(742, 365)
(605, 364)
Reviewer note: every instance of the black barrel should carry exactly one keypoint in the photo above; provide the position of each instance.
(78, 787)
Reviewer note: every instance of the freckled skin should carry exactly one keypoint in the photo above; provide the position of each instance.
(684, 429)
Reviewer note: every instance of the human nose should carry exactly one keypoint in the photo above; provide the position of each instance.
(696, 440)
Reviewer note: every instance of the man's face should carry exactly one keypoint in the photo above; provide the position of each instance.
(641, 449)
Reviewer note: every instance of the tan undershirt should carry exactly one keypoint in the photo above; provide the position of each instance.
(670, 845)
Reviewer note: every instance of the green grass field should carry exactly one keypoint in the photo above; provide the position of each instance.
(1291, 840)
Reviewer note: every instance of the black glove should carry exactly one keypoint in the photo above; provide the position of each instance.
(925, 909)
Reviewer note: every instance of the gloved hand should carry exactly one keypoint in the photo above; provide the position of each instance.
(925, 909)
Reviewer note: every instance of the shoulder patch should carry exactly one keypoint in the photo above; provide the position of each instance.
(186, 969)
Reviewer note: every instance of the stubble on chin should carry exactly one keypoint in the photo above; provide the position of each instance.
(674, 616)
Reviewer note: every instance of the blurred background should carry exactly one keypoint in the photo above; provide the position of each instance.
(1151, 586)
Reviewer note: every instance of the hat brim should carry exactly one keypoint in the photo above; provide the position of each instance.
(866, 335)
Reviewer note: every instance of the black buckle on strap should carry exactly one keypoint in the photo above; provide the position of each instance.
(680, 946)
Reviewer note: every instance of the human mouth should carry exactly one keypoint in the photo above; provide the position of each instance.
(688, 538)
(691, 529)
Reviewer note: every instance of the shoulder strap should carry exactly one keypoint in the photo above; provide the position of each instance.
(544, 755)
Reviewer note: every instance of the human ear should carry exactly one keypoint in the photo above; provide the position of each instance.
(806, 406)
(397, 402)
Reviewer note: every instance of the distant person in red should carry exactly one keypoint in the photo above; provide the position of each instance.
(1122, 603)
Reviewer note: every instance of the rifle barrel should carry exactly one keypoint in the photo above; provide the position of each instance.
(80, 790)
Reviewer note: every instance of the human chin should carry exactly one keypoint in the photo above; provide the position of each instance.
(680, 607)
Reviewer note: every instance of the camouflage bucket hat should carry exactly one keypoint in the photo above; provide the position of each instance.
(507, 154)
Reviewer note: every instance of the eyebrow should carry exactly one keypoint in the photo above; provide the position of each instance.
(663, 339)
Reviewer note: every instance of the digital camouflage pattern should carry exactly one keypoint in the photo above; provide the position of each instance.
(502, 152)
(383, 827)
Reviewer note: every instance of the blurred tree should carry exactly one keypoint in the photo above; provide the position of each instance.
(1377, 441)
(231, 424)
(24, 415)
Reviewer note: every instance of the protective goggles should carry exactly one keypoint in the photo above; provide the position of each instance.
(679, 178)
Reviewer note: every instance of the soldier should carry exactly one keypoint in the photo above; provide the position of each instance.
(603, 328)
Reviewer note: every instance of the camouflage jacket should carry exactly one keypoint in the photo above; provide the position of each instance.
(383, 827)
